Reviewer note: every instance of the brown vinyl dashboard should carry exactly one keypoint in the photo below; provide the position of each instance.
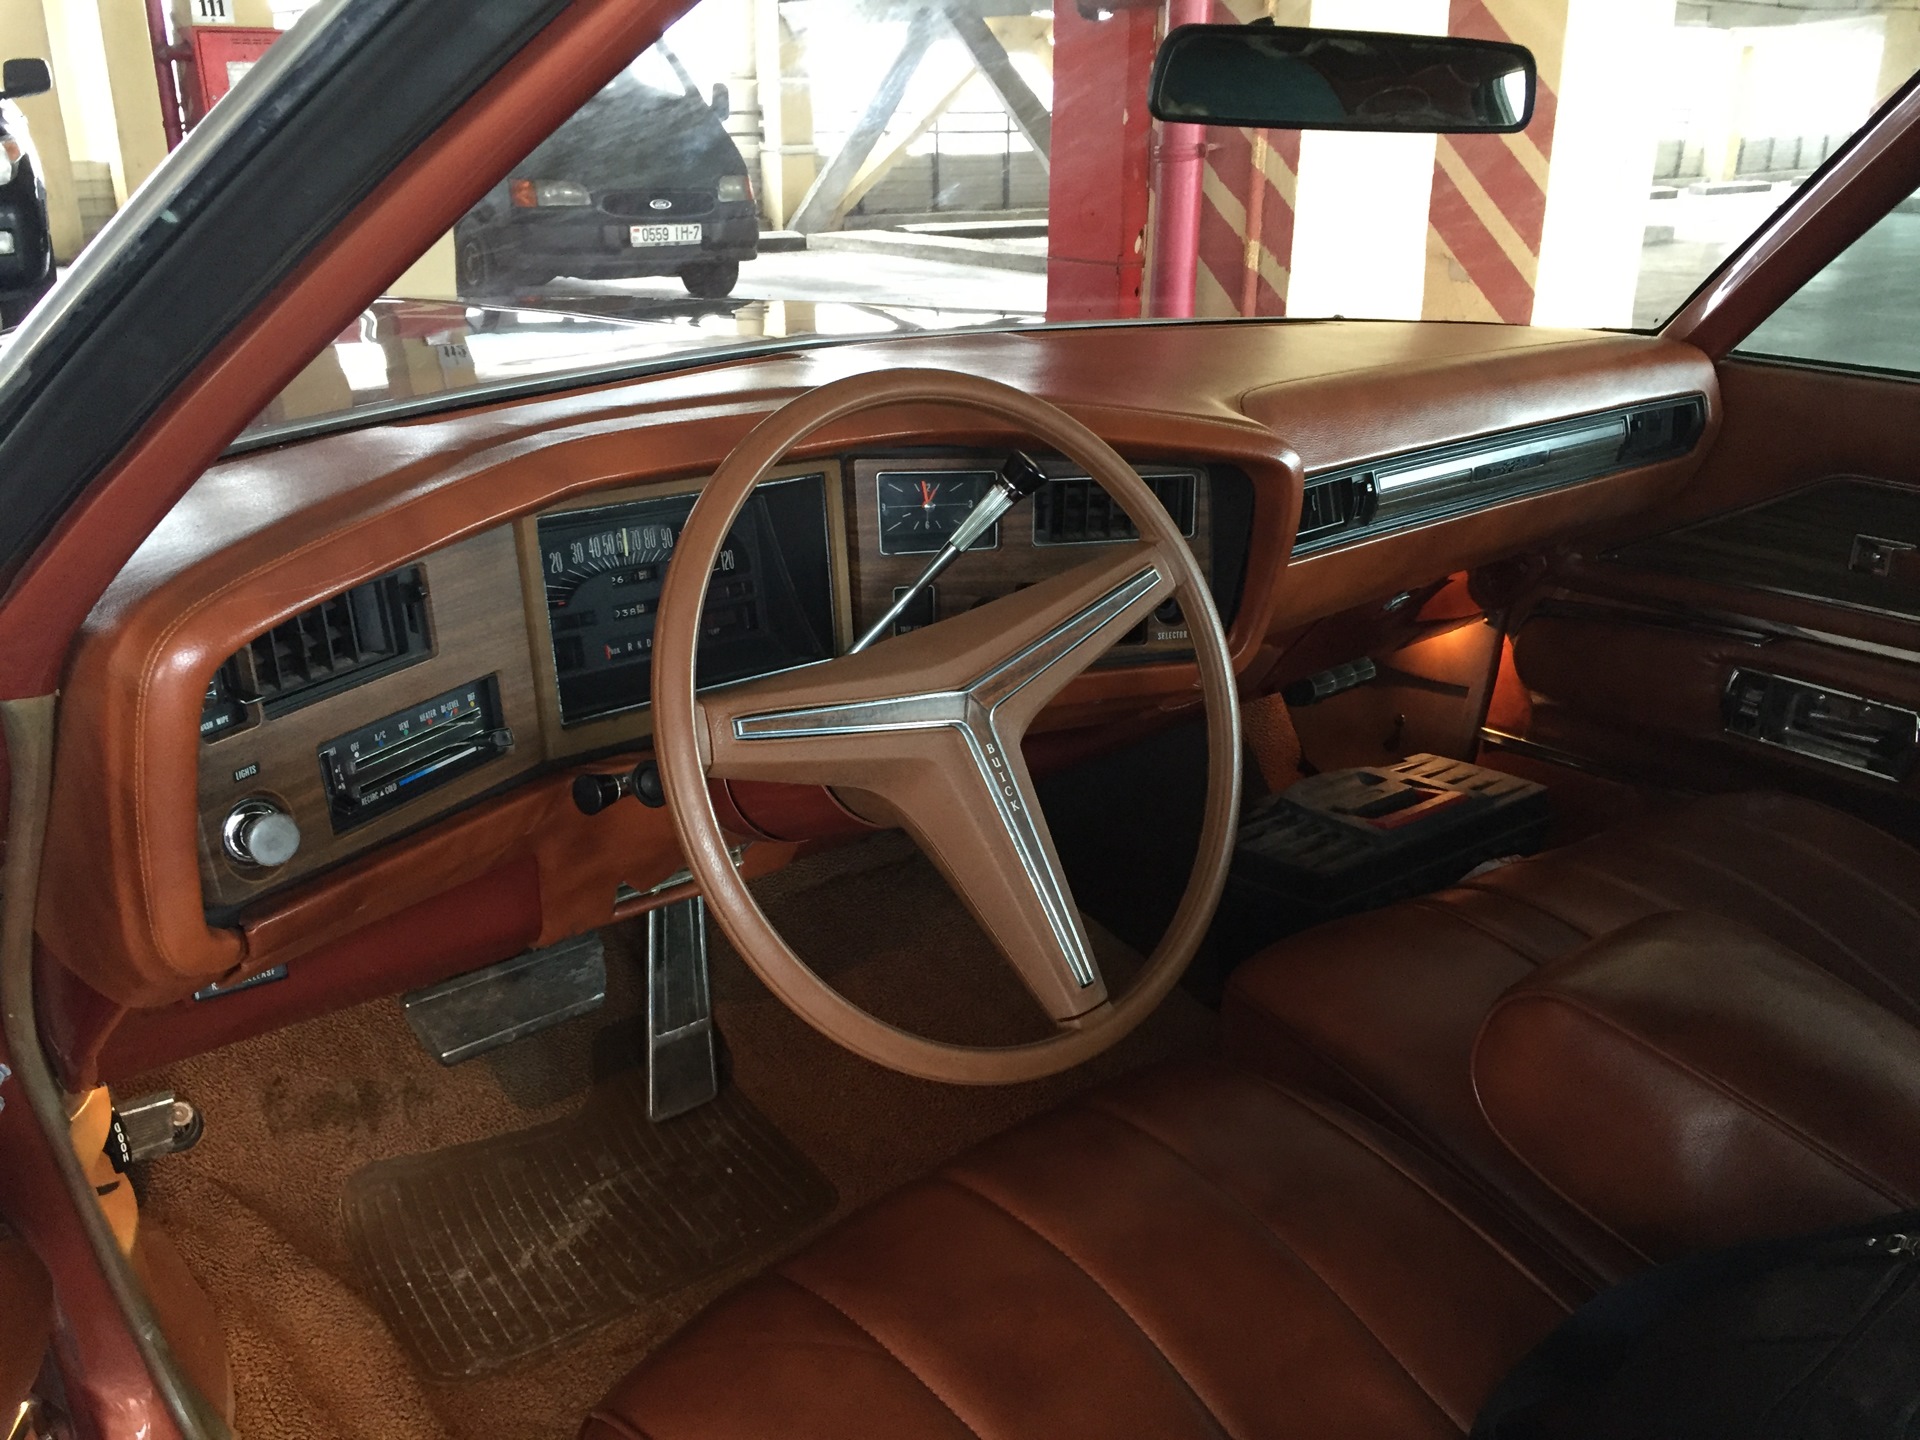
(409, 638)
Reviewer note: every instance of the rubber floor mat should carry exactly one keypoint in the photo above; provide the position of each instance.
(483, 1255)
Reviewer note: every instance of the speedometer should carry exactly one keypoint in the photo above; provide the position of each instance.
(768, 606)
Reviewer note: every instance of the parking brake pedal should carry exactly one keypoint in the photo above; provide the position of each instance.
(681, 1075)
(485, 1009)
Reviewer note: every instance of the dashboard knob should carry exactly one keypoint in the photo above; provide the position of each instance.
(594, 793)
(260, 833)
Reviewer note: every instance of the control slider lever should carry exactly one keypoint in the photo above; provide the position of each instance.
(594, 793)
(1018, 478)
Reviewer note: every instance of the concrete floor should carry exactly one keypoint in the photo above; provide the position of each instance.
(1863, 309)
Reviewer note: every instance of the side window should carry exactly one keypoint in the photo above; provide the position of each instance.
(1863, 309)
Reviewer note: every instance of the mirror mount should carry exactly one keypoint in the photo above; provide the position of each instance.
(21, 78)
(722, 101)
(1287, 77)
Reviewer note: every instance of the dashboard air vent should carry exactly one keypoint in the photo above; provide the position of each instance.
(369, 630)
(1422, 486)
(1076, 511)
(1328, 506)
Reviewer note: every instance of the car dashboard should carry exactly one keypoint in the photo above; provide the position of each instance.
(382, 707)
(324, 727)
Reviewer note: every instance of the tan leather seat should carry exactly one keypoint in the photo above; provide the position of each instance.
(1205, 1250)
(1381, 1010)
(1194, 1253)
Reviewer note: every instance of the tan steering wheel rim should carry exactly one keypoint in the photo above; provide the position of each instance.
(893, 765)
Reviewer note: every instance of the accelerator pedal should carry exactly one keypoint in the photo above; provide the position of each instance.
(485, 1009)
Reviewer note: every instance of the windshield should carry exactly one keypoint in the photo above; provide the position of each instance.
(835, 169)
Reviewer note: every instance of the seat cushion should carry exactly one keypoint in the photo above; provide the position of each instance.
(1192, 1253)
(1380, 1010)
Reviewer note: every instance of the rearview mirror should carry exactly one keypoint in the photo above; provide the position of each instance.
(1287, 77)
(24, 77)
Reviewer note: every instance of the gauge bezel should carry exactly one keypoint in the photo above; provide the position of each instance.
(988, 541)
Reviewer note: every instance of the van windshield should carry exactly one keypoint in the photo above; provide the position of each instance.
(659, 69)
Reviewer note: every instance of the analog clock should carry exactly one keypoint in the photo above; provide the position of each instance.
(920, 509)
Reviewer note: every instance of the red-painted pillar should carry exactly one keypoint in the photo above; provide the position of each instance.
(1097, 185)
(1179, 165)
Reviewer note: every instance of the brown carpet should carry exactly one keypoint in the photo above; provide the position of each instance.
(255, 1208)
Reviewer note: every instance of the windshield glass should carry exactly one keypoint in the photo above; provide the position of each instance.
(804, 170)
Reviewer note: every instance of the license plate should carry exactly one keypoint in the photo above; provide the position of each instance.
(663, 235)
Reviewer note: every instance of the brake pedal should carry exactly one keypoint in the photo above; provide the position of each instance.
(487, 1008)
(681, 1075)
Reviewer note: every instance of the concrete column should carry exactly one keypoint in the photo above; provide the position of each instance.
(1360, 222)
(127, 49)
(1097, 184)
(23, 35)
(788, 161)
(1489, 191)
(1603, 148)
(103, 76)
(432, 276)
(1722, 146)
(733, 24)
(1248, 195)
(1900, 52)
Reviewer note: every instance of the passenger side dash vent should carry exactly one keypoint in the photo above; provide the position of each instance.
(369, 630)
(1076, 511)
(1328, 506)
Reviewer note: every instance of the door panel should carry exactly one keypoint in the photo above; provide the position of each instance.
(1789, 560)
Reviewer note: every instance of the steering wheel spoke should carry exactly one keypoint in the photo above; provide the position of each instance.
(940, 755)
(974, 814)
(1011, 656)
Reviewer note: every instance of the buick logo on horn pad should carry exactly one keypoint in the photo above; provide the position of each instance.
(659, 204)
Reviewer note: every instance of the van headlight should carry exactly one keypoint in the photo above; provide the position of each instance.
(543, 194)
(734, 187)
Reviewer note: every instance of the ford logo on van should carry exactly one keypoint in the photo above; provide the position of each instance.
(659, 204)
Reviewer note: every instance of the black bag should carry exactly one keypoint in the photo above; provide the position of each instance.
(1807, 1339)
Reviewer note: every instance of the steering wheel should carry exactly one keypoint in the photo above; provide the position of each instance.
(924, 730)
